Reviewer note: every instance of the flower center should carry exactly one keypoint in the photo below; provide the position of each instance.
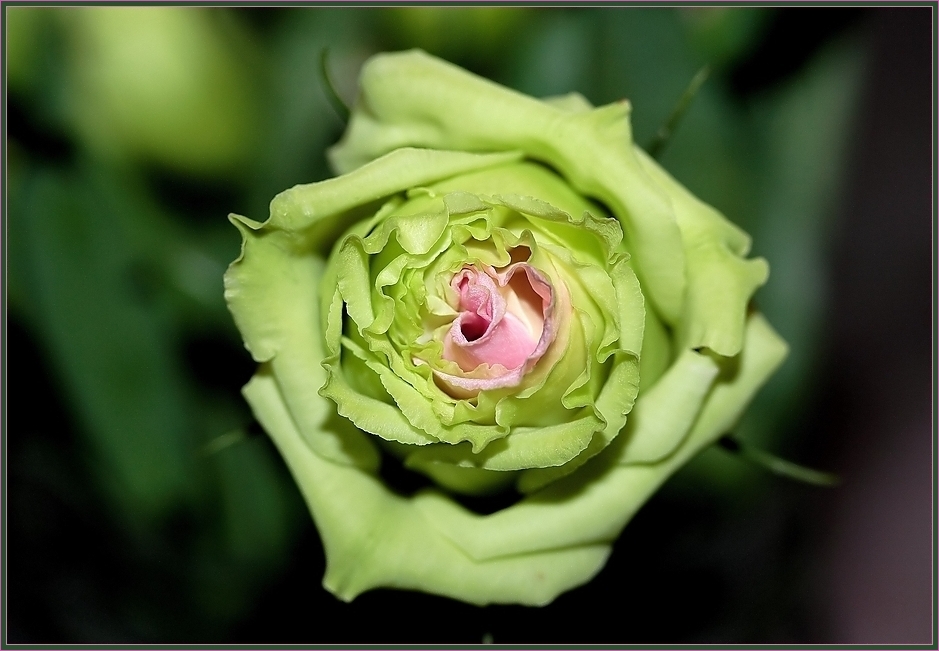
(505, 323)
(473, 329)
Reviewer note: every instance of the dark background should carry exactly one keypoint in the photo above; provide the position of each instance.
(142, 504)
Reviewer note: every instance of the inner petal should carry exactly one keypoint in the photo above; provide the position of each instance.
(474, 326)
(501, 319)
(525, 302)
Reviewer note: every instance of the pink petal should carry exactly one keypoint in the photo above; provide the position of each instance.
(505, 324)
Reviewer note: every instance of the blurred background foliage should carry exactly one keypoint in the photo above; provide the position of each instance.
(144, 505)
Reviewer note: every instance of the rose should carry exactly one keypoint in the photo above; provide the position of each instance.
(483, 293)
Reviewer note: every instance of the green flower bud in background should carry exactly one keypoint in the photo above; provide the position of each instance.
(169, 85)
(453, 32)
(503, 294)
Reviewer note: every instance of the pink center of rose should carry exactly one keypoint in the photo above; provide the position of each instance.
(505, 324)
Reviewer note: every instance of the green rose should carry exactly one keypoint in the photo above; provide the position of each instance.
(500, 293)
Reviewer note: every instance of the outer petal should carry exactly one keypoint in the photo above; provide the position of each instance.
(320, 209)
(720, 280)
(667, 411)
(374, 538)
(412, 99)
(273, 298)
(594, 504)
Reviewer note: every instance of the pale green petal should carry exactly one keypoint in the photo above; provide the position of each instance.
(572, 102)
(664, 415)
(537, 192)
(319, 209)
(526, 447)
(720, 280)
(273, 297)
(352, 274)
(594, 504)
(412, 99)
(368, 412)
(419, 411)
(613, 404)
(656, 353)
(252, 297)
(763, 352)
(462, 480)
(629, 308)
(619, 391)
(374, 538)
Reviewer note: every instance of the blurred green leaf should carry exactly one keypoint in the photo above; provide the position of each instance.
(805, 126)
(17, 253)
(99, 267)
(258, 528)
(555, 54)
(111, 347)
(723, 34)
(463, 35)
(643, 57)
(299, 120)
(24, 28)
